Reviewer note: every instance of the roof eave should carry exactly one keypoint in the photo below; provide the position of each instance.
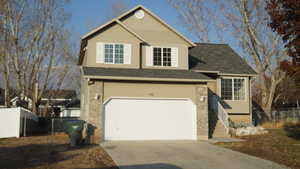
(146, 79)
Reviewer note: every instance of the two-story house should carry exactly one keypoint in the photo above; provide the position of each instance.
(143, 80)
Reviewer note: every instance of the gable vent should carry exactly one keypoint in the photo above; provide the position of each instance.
(139, 14)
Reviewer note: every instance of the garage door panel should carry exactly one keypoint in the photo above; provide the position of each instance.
(150, 119)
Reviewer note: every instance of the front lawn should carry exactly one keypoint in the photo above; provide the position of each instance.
(50, 152)
(280, 145)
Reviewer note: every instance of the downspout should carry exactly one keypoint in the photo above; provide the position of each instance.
(141, 56)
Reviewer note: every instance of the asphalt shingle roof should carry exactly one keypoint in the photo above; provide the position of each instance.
(145, 73)
(217, 57)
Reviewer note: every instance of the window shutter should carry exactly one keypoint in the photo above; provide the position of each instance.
(99, 52)
(174, 57)
(149, 56)
(127, 53)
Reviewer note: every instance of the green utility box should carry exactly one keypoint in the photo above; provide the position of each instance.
(74, 129)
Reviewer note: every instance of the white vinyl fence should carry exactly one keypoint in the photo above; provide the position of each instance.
(15, 122)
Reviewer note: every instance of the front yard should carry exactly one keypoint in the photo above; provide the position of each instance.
(281, 145)
(50, 152)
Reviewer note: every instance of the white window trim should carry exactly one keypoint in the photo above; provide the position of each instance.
(162, 64)
(113, 63)
(232, 80)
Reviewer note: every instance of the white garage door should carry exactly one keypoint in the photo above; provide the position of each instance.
(150, 119)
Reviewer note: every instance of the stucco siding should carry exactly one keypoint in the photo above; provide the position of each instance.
(157, 34)
(245, 118)
(236, 106)
(212, 86)
(139, 89)
(115, 34)
(152, 30)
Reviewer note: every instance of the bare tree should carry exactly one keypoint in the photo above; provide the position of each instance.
(117, 8)
(37, 46)
(245, 21)
(194, 16)
(4, 59)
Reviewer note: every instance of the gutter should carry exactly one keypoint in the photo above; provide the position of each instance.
(224, 74)
(147, 79)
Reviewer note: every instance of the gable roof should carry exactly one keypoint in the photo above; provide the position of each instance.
(133, 10)
(145, 74)
(110, 23)
(217, 58)
(117, 20)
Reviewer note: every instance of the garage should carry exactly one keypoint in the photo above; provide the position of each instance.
(149, 119)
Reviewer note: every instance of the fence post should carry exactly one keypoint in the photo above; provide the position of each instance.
(24, 124)
(52, 126)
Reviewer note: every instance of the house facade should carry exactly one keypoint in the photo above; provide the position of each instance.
(143, 80)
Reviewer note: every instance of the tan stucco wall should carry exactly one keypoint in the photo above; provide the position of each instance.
(150, 29)
(212, 86)
(240, 111)
(140, 89)
(115, 34)
(157, 34)
(237, 106)
(241, 118)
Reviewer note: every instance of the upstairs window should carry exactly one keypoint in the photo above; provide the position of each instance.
(161, 56)
(233, 88)
(114, 53)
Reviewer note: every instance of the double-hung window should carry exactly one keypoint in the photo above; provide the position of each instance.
(161, 56)
(114, 53)
(233, 88)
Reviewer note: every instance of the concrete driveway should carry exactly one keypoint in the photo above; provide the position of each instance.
(181, 155)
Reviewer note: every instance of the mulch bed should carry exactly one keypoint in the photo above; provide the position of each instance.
(51, 152)
(280, 146)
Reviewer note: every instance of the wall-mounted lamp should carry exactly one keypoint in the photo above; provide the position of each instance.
(97, 96)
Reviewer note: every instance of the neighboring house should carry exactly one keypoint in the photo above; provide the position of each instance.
(72, 109)
(142, 80)
(53, 101)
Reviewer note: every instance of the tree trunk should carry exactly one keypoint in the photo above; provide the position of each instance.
(268, 97)
(35, 106)
(7, 87)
